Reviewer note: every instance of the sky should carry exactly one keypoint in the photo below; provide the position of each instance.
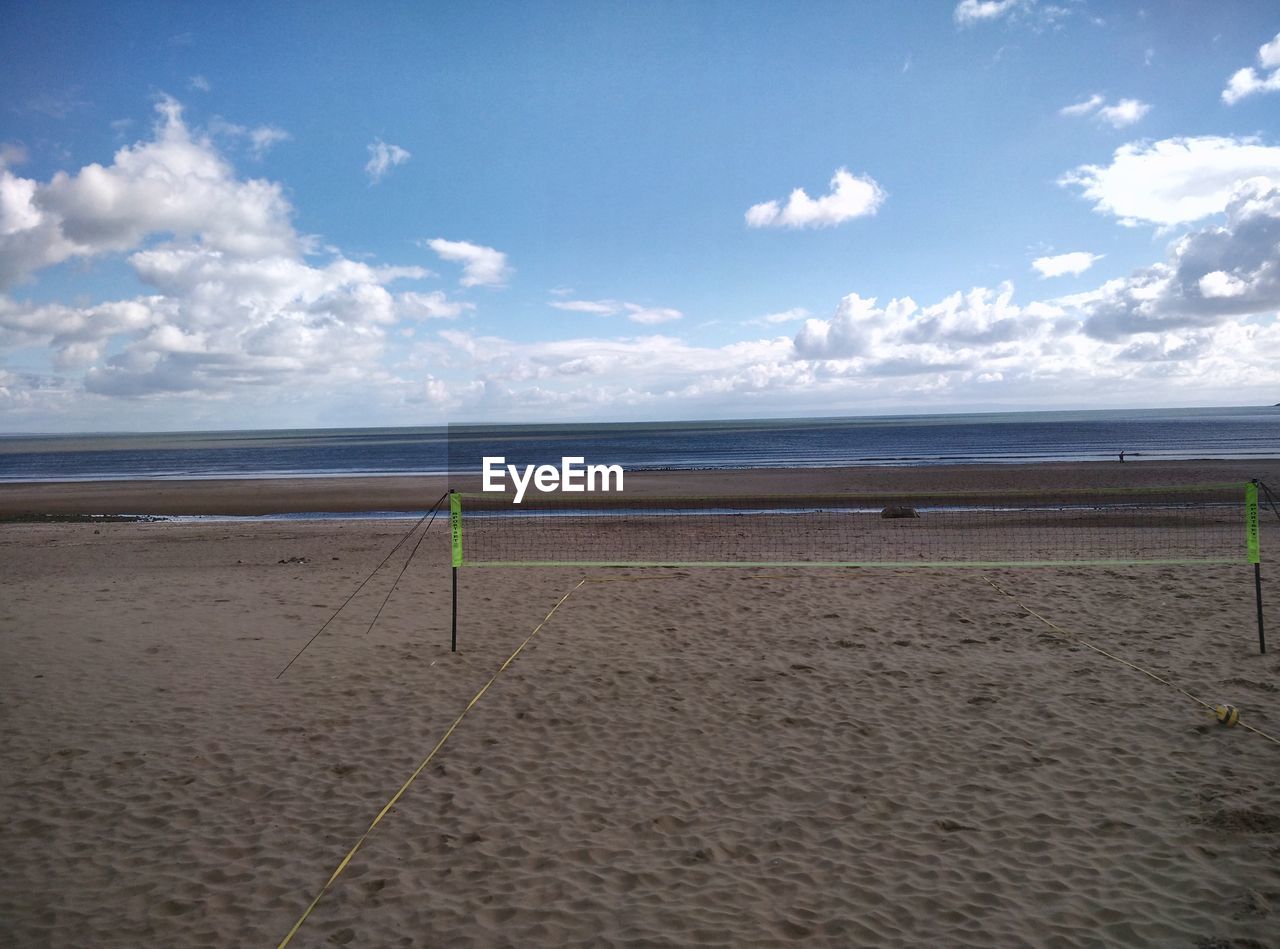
(215, 216)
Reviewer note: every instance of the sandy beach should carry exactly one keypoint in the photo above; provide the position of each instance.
(679, 757)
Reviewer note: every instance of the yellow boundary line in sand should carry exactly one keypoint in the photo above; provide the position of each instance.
(1137, 668)
(418, 770)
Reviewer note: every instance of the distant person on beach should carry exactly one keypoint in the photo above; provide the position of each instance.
(1122, 457)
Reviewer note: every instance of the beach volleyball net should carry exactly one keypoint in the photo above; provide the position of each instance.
(1186, 524)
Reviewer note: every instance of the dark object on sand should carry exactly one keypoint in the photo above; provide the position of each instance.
(899, 510)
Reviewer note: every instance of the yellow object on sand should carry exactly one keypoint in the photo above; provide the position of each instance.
(1227, 714)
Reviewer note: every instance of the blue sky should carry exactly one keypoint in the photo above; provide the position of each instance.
(324, 214)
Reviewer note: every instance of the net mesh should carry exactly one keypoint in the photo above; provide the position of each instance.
(1186, 524)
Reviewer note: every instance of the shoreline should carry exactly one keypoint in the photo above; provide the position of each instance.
(363, 494)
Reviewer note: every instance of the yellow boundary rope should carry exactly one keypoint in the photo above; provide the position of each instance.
(1146, 672)
(417, 771)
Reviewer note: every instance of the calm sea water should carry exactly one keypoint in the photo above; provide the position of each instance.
(1018, 437)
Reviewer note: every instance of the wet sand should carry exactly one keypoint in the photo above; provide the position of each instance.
(339, 495)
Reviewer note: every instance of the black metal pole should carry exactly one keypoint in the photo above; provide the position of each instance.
(1257, 594)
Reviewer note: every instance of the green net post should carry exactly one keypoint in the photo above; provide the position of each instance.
(1255, 554)
(1251, 521)
(455, 537)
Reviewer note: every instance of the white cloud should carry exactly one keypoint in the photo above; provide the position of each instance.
(1218, 284)
(217, 323)
(1173, 181)
(1269, 53)
(1074, 263)
(784, 316)
(1083, 107)
(1210, 276)
(433, 305)
(230, 302)
(969, 12)
(481, 266)
(635, 312)
(18, 210)
(568, 377)
(850, 197)
(382, 158)
(1124, 113)
(234, 313)
(650, 315)
(598, 307)
(846, 334)
(176, 183)
(200, 84)
(970, 348)
(260, 139)
(1249, 81)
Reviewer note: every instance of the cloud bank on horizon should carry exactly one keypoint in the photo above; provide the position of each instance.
(174, 280)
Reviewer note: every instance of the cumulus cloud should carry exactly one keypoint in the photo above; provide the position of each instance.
(1123, 113)
(1250, 81)
(481, 266)
(1218, 284)
(231, 300)
(971, 347)
(968, 341)
(382, 158)
(176, 183)
(215, 322)
(850, 197)
(1210, 275)
(846, 334)
(1074, 264)
(903, 334)
(969, 12)
(234, 311)
(1201, 326)
(1175, 180)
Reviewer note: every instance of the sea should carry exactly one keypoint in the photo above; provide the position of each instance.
(984, 438)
